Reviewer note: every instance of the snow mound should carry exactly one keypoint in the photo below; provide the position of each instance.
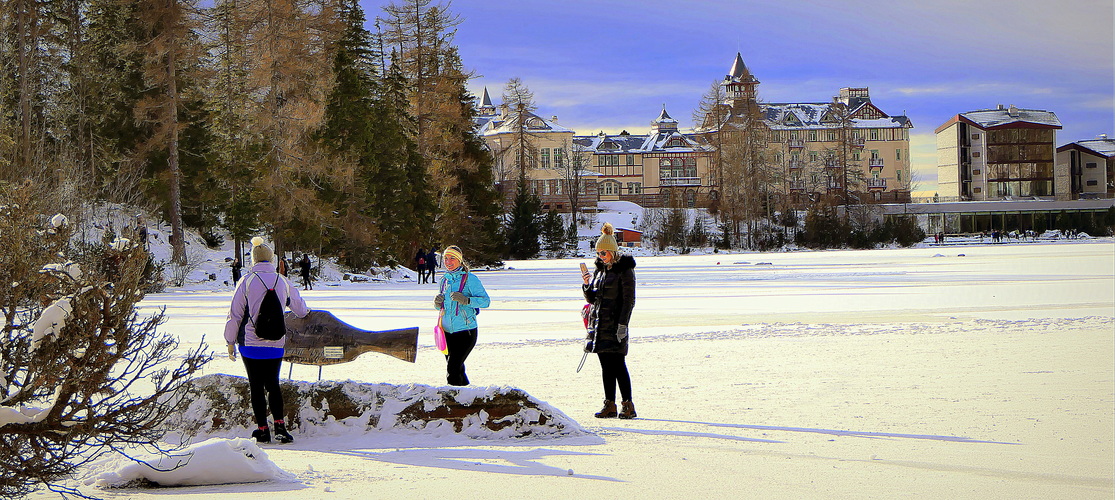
(216, 461)
(218, 405)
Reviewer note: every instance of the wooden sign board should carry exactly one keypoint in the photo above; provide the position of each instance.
(322, 339)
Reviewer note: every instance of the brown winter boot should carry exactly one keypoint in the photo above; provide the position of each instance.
(609, 410)
(628, 410)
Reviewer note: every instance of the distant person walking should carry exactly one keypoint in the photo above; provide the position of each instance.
(236, 267)
(461, 297)
(420, 265)
(262, 357)
(431, 264)
(306, 266)
(611, 291)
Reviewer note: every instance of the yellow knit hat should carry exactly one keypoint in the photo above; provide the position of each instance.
(455, 252)
(260, 251)
(607, 240)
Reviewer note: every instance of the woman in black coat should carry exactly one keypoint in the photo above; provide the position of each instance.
(611, 291)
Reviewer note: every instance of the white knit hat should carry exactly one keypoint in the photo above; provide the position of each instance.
(260, 251)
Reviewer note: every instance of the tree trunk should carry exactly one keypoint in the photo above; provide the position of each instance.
(179, 255)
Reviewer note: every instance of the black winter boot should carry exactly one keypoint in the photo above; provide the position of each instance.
(628, 410)
(609, 410)
(281, 435)
(262, 435)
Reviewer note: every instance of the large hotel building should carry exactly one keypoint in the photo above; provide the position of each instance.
(669, 167)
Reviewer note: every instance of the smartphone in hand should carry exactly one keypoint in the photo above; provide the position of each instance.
(584, 272)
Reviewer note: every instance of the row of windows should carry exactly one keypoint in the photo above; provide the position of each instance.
(816, 177)
(833, 135)
(1019, 135)
(1010, 171)
(612, 160)
(1020, 188)
(558, 157)
(621, 170)
(1012, 152)
(815, 156)
(616, 188)
(551, 187)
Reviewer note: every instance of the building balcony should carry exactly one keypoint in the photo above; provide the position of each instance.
(796, 164)
(875, 163)
(876, 183)
(858, 142)
(680, 181)
(797, 185)
(833, 165)
(797, 143)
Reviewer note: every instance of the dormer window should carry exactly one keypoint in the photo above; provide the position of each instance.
(536, 123)
(676, 142)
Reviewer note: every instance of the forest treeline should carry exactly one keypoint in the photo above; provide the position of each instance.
(284, 117)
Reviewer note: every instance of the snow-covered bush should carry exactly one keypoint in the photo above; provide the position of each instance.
(82, 374)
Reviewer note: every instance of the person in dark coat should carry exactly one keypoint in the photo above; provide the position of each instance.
(305, 265)
(420, 265)
(236, 267)
(431, 265)
(611, 291)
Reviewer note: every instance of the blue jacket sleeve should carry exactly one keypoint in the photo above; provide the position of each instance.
(477, 295)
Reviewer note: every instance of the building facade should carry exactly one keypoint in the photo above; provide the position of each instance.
(546, 160)
(999, 154)
(818, 149)
(665, 168)
(815, 149)
(1090, 166)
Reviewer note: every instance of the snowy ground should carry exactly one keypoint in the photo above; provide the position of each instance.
(977, 371)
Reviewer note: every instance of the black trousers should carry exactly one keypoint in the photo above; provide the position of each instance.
(460, 344)
(613, 367)
(263, 385)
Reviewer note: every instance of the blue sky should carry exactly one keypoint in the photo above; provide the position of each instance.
(612, 65)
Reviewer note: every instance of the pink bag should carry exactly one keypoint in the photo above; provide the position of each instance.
(439, 336)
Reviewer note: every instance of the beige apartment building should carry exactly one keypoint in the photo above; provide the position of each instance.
(1091, 168)
(1000, 154)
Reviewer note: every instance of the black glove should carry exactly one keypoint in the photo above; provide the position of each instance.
(459, 297)
(439, 301)
(621, 333)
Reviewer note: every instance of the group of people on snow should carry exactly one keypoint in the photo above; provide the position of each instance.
(305, 269)
(609, 291)
(425, 264)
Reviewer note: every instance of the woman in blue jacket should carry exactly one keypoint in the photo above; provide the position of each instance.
(462, 295)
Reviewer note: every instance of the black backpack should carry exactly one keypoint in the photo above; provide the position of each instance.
(269, 322)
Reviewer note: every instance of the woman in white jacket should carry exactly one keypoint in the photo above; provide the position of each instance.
(262, 357)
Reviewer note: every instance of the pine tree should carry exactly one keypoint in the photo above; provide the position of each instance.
(115, 73)
(522, 226)
(168, 46)
(458, 167)
(553, 234)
